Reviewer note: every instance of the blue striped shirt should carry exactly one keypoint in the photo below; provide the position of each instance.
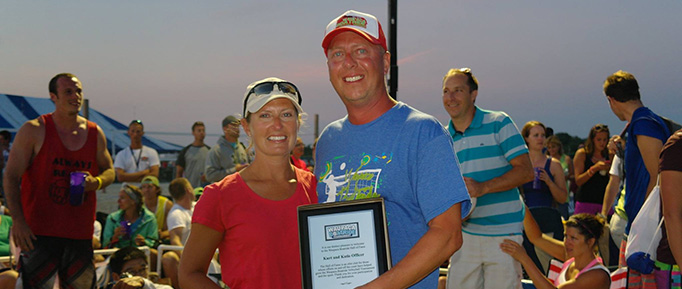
(484, 150)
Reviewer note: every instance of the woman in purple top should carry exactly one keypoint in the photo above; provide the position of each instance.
(550, 183)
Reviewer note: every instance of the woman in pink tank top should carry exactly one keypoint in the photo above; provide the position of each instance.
(582, 269)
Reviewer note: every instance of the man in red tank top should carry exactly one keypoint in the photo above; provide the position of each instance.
(55, 235)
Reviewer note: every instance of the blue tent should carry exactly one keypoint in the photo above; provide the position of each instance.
(15, 110)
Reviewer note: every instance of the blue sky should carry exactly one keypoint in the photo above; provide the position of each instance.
(171, 63)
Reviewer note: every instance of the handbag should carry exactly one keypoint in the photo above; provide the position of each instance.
(645, 232)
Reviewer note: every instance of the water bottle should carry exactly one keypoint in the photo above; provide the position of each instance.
(536, 181)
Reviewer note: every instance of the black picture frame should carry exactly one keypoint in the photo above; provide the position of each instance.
(344, 225)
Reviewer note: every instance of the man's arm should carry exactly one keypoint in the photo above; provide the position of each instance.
(180, 163)
(154, 162)
(444, 233)
(154, 171)
(21, 155)
(213, 171)
(179, 170)
(105, 164)
(122, 176)
(175, 236)
(612, 189)
(650, 148)
(521, 173)
(176, 239)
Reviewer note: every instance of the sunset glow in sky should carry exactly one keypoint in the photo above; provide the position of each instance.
(171, 63)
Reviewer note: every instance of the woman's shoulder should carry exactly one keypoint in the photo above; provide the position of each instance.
(148, 215)
(225, 189)
(600, 267)
(580, 153)
(115, 216)
(597, 274)
(554, 162)
(227, 182)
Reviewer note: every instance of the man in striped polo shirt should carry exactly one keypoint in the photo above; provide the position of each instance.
(494, 162)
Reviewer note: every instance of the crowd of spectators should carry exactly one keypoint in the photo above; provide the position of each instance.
(458, 195)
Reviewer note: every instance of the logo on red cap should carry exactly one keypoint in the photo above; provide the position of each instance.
(352, 20)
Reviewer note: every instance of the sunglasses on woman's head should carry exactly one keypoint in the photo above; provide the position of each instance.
(266, 88)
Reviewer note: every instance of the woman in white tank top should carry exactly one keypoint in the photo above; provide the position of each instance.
(582, 268)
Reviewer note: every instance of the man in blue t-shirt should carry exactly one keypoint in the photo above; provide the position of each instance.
(494, 161)
(384, 148)
(646, 134)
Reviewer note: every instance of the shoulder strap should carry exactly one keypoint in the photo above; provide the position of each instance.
(564, 268)
(590, 265)
(49, 125)
(654, 241)
(92, 131)
(567, 263)
(670, 124)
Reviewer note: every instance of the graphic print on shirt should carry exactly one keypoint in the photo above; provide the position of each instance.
(62, 168)
(347, 178)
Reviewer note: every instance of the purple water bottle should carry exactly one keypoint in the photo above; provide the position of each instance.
(77, 188)
(536, 181)
(126, 227)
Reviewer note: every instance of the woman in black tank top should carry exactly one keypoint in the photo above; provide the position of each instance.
(592, 164)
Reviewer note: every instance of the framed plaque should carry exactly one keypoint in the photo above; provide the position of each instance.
(343, 244)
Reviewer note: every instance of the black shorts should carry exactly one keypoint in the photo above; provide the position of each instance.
(70, 259)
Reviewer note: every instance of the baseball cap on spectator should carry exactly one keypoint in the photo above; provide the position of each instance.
(230, 119)
(198, 191)
(151, 180)
(366, 25)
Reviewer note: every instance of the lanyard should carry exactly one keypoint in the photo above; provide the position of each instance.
(137, 160)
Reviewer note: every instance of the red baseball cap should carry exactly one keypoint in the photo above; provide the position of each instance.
(366, 25)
